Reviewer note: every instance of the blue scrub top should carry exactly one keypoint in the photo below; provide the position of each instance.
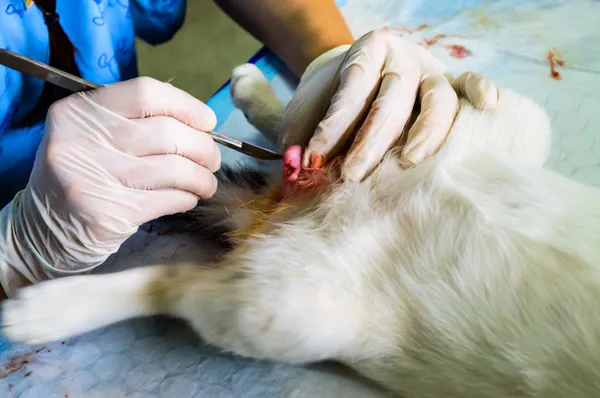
(102, 31)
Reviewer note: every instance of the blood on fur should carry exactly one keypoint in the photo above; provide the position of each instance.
(298, 180)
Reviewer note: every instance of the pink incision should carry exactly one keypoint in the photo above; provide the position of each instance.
(292, 166)
(299, 180)
(292, 163)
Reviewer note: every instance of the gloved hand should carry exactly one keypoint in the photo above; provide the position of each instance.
(110, 160)
(379, 77)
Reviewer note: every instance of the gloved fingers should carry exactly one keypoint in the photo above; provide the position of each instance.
(347, 109)
(360, 77)
(161, 135)
(145, 97)
(386, 120)
(169, 172)
(481, 92)
(309, 104)
(439, 105)
(163, 202)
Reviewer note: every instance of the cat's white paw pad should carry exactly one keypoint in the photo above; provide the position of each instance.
(50, 311)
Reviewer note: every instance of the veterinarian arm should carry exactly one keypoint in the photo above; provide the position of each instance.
(298, 31)
(110, 160)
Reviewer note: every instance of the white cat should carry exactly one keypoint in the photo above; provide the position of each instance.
(474, 274)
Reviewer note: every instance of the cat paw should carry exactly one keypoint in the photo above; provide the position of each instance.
(56, 310)
(249, 86)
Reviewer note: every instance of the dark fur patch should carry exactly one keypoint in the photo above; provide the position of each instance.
(198, 223)
(247, 178)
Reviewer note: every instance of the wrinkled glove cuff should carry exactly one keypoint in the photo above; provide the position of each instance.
(24, 234)
(18, 266)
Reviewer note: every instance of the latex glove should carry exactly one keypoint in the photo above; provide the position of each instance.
(110, 160)
(380, 76)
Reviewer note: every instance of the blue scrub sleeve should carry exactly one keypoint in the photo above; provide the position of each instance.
(18, 147)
